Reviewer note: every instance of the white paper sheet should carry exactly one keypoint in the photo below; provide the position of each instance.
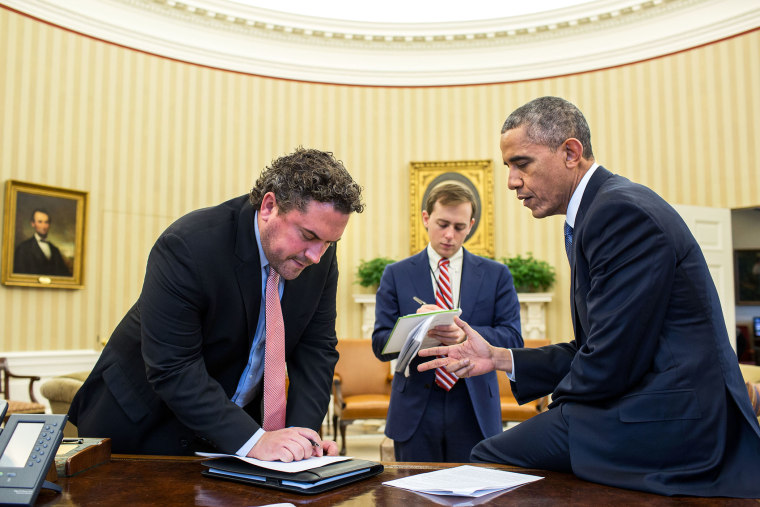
(466, 480)
(293, 466)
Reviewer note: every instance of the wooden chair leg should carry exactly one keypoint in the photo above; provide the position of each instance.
(343, 425)
(335, 428)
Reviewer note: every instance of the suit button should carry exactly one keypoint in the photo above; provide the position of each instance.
(184, 443)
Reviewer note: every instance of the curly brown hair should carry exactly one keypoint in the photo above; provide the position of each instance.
(305, 175)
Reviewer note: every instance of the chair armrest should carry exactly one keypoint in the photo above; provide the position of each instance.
(32, 379)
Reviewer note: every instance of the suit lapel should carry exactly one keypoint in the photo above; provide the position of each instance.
(248, 271)
(597, 179)
(468, 292)
(419, 276)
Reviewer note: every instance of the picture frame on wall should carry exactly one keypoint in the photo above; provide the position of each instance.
(43, 236)
(476, 175)
(747, 276)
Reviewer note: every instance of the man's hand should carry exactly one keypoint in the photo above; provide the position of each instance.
(292, 444)
(475, 356)
(448, 335)
(429, 308)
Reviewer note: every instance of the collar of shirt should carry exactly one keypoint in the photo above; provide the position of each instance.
(263, 258)
(455, 271)
(575, 200)
(40, 238)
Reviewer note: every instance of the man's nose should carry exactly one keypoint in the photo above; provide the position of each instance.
(314, 252)
(513, 180)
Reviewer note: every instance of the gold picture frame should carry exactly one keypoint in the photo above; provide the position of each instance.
(477, 175)
(43, 236)
(747, 277)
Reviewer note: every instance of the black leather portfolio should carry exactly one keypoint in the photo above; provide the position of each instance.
(307, 482)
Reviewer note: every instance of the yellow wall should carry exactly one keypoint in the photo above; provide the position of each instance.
(152, 139)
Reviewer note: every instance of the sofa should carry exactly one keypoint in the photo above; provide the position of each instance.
(60, 391)
(751, 374)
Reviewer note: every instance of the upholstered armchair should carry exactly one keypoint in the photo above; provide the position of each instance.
(510, 410)
(18, 406)
(751, 374)
(60, 392)
(361, 386)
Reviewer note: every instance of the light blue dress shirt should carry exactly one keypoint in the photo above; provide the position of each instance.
(250, 383)
(572, 211)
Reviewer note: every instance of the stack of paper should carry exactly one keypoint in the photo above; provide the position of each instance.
(409, 335)
(466, 480)
(292, 466)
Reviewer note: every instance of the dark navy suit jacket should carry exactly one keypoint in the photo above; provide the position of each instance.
(650, 387)
(489, 305)
(164, 381)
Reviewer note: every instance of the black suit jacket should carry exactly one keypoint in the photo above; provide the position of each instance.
(650, 387)
(164, 380)
(28, 258)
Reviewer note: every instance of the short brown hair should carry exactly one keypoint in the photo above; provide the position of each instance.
(449, 194)
(308, 175)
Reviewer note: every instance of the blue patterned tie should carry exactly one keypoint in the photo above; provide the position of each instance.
(569, 242)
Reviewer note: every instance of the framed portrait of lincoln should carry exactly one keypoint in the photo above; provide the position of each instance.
(43, 236)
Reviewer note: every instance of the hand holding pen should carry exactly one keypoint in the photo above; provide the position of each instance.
(424, 307)
(447, 335)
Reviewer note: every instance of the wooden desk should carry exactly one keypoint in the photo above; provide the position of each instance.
(149, 480)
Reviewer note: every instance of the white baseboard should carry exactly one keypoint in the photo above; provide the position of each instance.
(45, 364)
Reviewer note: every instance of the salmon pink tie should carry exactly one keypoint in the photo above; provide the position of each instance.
(444, 299)
(274, 357)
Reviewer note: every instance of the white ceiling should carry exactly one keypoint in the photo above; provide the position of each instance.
(230, 35)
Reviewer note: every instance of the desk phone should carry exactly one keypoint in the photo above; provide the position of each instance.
(28, 445)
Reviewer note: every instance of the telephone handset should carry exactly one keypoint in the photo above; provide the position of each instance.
(28, 445)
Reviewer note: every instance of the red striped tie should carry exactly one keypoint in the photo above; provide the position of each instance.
(444, 299)
(274, 357)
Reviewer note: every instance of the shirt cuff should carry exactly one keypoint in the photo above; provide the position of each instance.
(243, 451)
(511, 376)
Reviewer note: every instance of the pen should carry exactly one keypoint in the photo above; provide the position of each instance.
(313, 443)
(418, 300)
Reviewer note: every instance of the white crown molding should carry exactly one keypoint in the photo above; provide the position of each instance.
(222, 34)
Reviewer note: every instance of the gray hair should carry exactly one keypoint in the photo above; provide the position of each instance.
(550, 121)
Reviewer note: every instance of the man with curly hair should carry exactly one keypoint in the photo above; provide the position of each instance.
(185, 369)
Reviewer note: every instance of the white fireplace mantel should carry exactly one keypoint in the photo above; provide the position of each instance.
(532, 313)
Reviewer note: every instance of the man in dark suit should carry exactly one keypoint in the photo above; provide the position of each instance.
(37, 255)
(186, 369)
(649, 395)
(429, 419)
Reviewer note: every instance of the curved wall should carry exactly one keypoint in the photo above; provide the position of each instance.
(151, 138)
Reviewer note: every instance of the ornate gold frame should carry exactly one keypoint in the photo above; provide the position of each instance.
(67, 210)
(477, 175)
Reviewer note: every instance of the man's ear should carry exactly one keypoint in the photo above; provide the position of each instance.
(268, 206)
(425, 218)
(573, 151)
